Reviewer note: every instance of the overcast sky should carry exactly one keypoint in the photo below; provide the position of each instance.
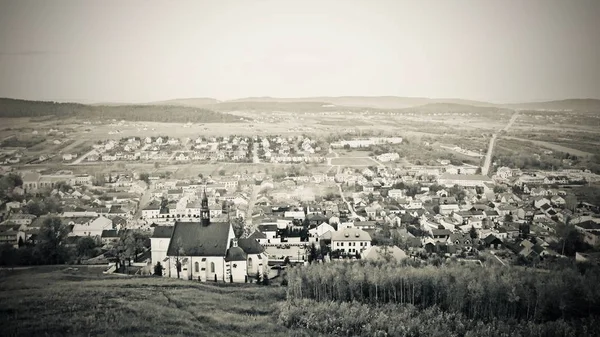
(140, 51)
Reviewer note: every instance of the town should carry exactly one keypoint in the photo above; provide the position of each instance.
(262, 221)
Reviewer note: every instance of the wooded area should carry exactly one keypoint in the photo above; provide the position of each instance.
(477, 293)
(150, 113)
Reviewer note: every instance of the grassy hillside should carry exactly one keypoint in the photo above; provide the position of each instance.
(148, 113)
(53, 301)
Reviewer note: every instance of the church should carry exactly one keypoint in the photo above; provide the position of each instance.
(209, 251)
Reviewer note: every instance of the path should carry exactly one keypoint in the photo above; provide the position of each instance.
(249, 228)
(488, 157)
(354, 215)
(81, 158)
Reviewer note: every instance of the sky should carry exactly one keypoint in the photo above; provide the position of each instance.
(502, 51)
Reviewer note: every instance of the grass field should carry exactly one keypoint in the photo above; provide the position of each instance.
(53, 301)
(353, 161)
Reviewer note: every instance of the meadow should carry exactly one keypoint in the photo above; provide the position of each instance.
(56, 301)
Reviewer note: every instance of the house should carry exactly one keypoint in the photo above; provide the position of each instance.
(22, 219)
(320, 230)
(492, 241)
(557, 200)
(109, 236)
(269, 230)
(538, 202)
(31, 181)
(364, 225)
(92, 228)
(464, 180)
(385, 253)
(440, 235)
(12, 234)
(350, 241)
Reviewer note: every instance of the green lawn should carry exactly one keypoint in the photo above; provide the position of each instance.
(54, 301)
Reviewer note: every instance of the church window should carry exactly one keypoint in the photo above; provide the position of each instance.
(250, 263)
(196, 267)
(212, 267)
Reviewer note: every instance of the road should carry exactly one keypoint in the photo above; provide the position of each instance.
(488, 157)
(81, 158)
(249, 228)
(354, 215)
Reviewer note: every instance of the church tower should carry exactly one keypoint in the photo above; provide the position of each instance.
(204, 210)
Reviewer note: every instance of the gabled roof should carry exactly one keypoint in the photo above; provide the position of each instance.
(257, 235)
(162, 232)
(250, 246)
(194, 239)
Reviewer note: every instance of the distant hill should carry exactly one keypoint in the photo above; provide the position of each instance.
(453, 108)
(192, 102)
(150, 113)
(584, 104)
(379, 102)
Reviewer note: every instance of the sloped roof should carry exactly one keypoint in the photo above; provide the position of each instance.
(379, 253)
(350, 234)
(162, 232)
(250, 246)
(267, 228)
(235, 254)
(110, 233)
(198, 240)
(257, 235)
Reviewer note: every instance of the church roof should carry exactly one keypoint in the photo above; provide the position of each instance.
(162, 232)
(235, 254)
(194, 239)
(250, 246)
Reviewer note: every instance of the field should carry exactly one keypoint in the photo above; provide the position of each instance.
(53, 301)
(353, 161)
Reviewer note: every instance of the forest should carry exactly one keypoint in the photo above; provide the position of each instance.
(150, 113)
(528, 300)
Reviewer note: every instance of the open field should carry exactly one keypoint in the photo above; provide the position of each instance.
(53, 301)
(353, 161)
(554, 147)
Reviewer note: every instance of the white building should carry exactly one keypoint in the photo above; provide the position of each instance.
(350, 240)
(92, 228)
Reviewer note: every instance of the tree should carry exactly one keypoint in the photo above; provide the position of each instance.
(313, 253)
(145, 177)
(436, 209)
(499, 189)
(473, 233)
(158, 269)
(222, 172)
(51, 236)
(85, 246)
(508, 218)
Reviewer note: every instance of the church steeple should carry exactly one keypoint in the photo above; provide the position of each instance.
(204, 210)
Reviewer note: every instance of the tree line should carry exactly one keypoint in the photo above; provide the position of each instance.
(477, 293)
(154, 113)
